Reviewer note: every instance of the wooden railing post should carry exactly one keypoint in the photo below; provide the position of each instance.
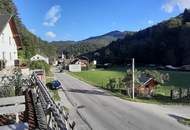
(188, 93)
(171, 94)
(180, 93)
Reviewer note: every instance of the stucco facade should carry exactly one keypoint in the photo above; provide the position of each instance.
(8, 47)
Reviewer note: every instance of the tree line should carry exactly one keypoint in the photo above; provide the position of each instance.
(167, 43)
(31, 44)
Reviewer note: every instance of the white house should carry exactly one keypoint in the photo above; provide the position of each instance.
(10, 41)
(75, 68)
(38, 57)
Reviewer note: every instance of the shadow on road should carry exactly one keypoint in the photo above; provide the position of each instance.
(88, 92)
(180, 119)
(177, 117)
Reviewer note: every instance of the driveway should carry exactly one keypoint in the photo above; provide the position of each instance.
(101, 111)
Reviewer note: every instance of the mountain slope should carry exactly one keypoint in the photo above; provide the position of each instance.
(90, 44)
(165, 43)
(114, 35)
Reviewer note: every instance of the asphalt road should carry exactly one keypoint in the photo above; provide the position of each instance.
(102, 111)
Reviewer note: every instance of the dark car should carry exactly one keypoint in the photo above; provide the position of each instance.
(56, 84)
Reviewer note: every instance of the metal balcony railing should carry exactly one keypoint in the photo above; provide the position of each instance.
(56, 118)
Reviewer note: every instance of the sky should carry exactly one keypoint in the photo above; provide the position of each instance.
(55, 20)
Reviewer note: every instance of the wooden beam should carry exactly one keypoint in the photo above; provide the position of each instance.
(12, 100)
(12, 109)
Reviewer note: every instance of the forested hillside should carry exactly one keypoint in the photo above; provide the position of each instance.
(167, 43)
(89, 45)
(31, 44)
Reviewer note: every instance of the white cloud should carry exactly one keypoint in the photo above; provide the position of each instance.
(50, 34)
(52, 16)
(171, 5)
(150, 22)
(32, 30)
(168, 7)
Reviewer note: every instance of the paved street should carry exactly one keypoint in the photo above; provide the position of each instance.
(102, 111)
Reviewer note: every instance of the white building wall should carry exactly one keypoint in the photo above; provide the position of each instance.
(75, 68)
(8, 47)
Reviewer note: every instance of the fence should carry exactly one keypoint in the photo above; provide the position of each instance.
(179, 94)
(57, 119)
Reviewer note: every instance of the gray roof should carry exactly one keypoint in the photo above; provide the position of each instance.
(144, 79)
(4, 19)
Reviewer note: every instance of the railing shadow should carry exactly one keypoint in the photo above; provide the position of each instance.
(181, 119)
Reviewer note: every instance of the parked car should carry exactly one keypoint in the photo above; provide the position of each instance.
(56, 84)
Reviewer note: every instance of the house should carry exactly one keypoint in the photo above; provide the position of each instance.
(145, 86)
(38, 57)
(83, 61)
(75, 68)
(10, 41)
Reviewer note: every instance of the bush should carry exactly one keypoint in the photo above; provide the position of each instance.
(112, 84)
(7, 91)
(12, 85)
(40, 65)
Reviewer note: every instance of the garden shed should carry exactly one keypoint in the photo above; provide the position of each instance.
(146, 86)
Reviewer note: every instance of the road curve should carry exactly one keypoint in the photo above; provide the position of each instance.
(105, 112)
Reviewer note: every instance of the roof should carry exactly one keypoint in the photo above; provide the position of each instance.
(143, 80)
(4, 19)
(81, 60)
(41, 56)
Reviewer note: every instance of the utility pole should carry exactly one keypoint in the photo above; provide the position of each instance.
(133, 77)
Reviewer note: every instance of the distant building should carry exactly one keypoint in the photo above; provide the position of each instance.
(63, 56)
(10, 41)
(146, 86)
(38, 57)
(75, 68)
(94, 62)
(83, 61)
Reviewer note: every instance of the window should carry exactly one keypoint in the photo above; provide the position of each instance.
(14, 54)
(9, 40)
(2, 37)
(3, 55)
(10, 56)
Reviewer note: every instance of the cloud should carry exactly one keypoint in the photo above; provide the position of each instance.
(32, 30)
(150, 22)
(50, 34)
(52, 16)
(171, 5)
(168, 7)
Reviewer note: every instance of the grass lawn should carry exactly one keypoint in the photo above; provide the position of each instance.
(185, 121)
(100, 78)
(178, 79)
(55, 95)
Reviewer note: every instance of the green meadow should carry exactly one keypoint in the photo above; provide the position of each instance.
(100, 77)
